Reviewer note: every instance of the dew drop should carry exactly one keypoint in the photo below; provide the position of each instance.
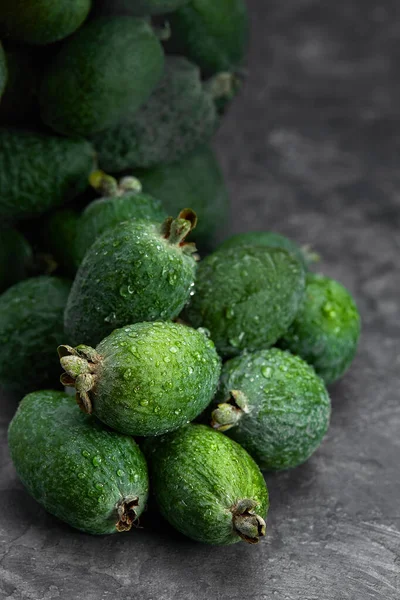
(85, 453)
(96, 461)
(266, 372)
(120, 473)
(81, 475)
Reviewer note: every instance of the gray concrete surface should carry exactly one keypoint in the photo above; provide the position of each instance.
(310, 149)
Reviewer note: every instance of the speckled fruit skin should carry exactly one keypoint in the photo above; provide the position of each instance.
(196, 181)
(130, 274)
(109, 66)
(270, 239)
(288, 407)
(41, 21)
(75, 468)
(246, 297)
(198, 475)
(39, 172)
(138, 8)
(3, 70)
(105, 213)
(212, 34)
(153, 377)
(15, 257)
(179, 116)
(327, 328)
(31, 328)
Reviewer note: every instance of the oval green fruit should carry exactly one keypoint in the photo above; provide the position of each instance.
(41, 21)
(31, 328)
(138, 271)
(196, 181)
(123, 202)
(207, 486)
(212, 34)
(39, 172)
(109, 66)
(16, 257)
(3, 70)
(327, 328)
(246, 297)
(178, 116)
(137, 8)
(274, 405)
(90, 477)
(144, 379)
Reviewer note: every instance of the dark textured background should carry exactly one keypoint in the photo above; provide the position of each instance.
(310, 149)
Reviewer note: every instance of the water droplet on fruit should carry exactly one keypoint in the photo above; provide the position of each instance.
(99, 486)
(85, 453)
(229, 312)
(81, 475)
(173, 349)
(120, 473)
(123, 291)
(144, 402)
(96, 461)
(266, 372)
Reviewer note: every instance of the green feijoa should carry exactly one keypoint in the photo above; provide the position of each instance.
(270, 239)
(197, 181)
(31, 328)
(212, 34)
(109, 66)
(274, 405)
(247, 297)
(18, 104)
(137, 8)
(59, 233)
(326, 330)
(39, 172)
(3, 70)
(138, 271)
(179, 116)
(86, 475)
(41, 21)
(207, 486)
(15, 257)
(120, 202)
(144, 379)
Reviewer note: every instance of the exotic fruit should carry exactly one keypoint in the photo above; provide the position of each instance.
(123, 201)
(88, 476)
(246, 297)
(207, 486)
(326, 330)
(144, 379)
(138, 271)
(274, 405)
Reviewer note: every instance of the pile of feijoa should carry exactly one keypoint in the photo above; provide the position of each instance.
(190, 373)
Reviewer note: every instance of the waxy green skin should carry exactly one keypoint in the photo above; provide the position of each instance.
(179, 116)
(288, 407)
(39, 172)
(212, 34)
(196, 181)
(269, 239)
(31, 328)
(247, 297)
(41, 21)
(198, 476)
(130, 274)
(3, 70)
(109, 66)
(327, 328)
(152, 377)
(105, 213)
(15, 257)
(138, 8)
(75, 468)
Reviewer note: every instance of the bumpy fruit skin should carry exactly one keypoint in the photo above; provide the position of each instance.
(247, 297)
(147, 378)
(18, 103)
(212, 34)
(86, 475)
(3, 71)
(39, 172)
(60, 232)
(196, 181)
(15, 257)
(31, 328)
(269, 239)
(327, 328)
(131, 273)
(105, 213)
(109, 66)
(178, 116)
(199, 477)
(137, 8)
(286, 407)
(41, 21)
